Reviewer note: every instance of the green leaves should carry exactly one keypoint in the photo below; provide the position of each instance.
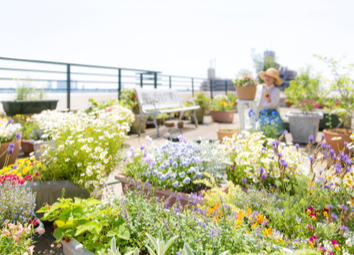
(159, 245)
(122, 233)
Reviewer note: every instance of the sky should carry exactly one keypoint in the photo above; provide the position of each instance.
(177, 37)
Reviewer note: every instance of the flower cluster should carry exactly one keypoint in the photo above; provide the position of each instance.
(24, 167)
(244, 80)
(222, 103)
(8, 131)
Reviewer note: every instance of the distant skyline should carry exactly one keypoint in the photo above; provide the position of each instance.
(177, 37)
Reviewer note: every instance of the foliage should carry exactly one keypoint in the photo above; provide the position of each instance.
(30, 130)
(231, 97)
(27, 92)
(268, 123)
(222, 104)
(305, 91)
(128, 99)
(343, 83)
(88, 146)
(14, 238)
(93, 228)
(17, 200)
(201, 99)
(159, 245)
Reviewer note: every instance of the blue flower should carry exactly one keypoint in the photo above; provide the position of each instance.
(187, 180)
(175, 164)
(274, 112)
(265, 111)
(182, 174)
(175, 184)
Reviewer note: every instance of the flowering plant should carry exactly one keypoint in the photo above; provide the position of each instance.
(87, 145)
(305, 91)
(244, 80)
(14, 238)
(8, 131)
(175, 166)
(24, 167)
(222, 104)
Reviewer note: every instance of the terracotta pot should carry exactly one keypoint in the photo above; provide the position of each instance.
(4, 147)
(338, 145)
(246, 93)
(129, 184)
(288, 104)
(225, 133)
(222, 116)
(27, 146)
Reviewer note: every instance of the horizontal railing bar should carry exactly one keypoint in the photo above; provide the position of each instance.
(31, 70)
(98, 74)
(22, 79)
(177, 76)
(73, 64)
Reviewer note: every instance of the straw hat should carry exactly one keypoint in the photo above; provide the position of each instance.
(272, 72)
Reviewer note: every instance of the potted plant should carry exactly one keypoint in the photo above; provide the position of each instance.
(342, 104)
(246, 87)
(305, 92)
(28, 101)
(226, 132)
(222, 110)
(201, 99)
(10, 140)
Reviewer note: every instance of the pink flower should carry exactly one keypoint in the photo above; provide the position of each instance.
(31, 249)
(11, 226)
(40, 231)
(304, 101)
(16, 238)
(6, 232)
(312, 101)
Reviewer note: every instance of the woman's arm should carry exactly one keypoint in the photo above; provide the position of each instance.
(273, 100)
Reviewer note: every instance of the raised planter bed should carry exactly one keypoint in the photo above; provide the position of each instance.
(50, 191)
(74, 248)
(12, 108)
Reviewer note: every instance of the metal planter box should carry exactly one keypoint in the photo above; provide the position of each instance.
(12, 108)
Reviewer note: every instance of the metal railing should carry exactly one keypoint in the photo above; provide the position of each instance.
(69, 77)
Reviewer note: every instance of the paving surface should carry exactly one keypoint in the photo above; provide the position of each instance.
(206, 131)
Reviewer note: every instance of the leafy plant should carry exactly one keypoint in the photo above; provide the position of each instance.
(201, 99)
(244, 80)
(27, 92)
(221, 104)
(305, 91)
(159, 245)
(188, 251)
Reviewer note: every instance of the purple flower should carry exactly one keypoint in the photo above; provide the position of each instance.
(323, 137)
(148, 138)
(345, 144)
(18, 136)
(10, 121)
(142, 147)
(147, 182)
(219, 233)
(311, 159)
(285, 132)
(11, 148)
(312, 139)
(187, 180)
(297, 146)
(175, 184)
(175, 164)
(338, 168)
(334, 216)
(15, 167)
(244, 180)
(182, 174)
(344, 228)
(181, 138)
(264, 176)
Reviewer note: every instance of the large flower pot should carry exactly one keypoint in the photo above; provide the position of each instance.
(222, 116)
(27, 146)
(50, 191)
(338, 145)
(199, 114)
(246, 93)
(302, 126)
(12, 108)
(135, 125)
(129, 184)
(12, 159)
(226, 133)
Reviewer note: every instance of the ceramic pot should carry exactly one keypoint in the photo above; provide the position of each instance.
(27, 146)
(246, 93)
(222, 116)
(302, 126)
(12, 159)
(338, 145)
(225, 133)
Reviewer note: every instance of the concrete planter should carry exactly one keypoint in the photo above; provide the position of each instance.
(129, 184)
(40, 146)
(50, 191)
(302, 126)
(74, 248)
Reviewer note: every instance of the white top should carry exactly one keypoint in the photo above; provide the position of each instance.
(274, 94)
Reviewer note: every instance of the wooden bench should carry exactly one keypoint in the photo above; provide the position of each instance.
(158, 101)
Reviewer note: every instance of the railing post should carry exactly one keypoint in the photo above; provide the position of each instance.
(141, 80)
(170, 82)
(192, 87)
(225, 87)
(155, 80)
(211, 88)
(119, 82)
(68, 87)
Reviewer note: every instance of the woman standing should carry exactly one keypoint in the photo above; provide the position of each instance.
(268, 98)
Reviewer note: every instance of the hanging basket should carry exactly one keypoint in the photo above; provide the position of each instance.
(246, 93)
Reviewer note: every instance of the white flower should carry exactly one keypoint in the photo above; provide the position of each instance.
(79, 164)
(67, 159)
(90, 139)
(336, 138)
(61, 147)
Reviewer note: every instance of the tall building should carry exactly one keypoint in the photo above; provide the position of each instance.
(217, 83)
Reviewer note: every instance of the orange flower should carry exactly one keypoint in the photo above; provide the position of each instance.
(260, 218)
(254, 225)
(267, 232)
(248, 212)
